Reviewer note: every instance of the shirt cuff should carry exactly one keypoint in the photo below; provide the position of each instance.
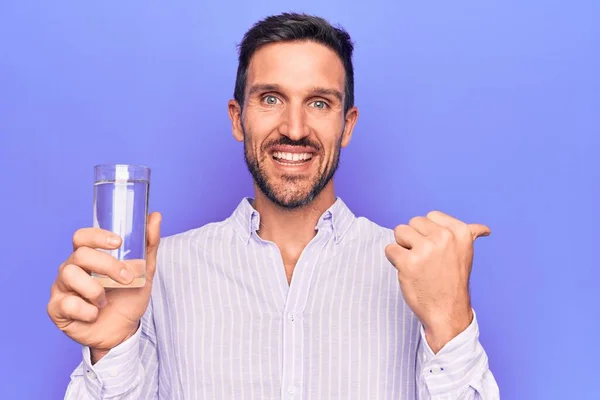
(461, 363)
(117, 372)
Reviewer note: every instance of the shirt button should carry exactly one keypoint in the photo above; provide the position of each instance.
(436, 370)
(291, 390)
(90, 374)
(291, 316)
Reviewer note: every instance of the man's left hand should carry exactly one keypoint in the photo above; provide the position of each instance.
(434, 257)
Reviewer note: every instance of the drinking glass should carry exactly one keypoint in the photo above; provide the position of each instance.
(121, 194)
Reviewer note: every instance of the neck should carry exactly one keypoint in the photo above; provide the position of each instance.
(291, 229)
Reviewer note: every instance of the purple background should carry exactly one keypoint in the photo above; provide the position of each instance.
(489, 112)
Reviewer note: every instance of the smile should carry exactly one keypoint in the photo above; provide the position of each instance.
(291, 158)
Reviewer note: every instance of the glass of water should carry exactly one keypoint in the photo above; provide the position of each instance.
(121, 194)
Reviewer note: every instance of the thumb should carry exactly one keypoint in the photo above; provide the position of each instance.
(153, 239)
(478, 230)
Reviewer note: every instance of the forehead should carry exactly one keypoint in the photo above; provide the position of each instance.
(296, 65)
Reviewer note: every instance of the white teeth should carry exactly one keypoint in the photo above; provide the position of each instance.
(292, 156)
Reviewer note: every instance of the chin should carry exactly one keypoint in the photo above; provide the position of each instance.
(287, 189)
(291, 200)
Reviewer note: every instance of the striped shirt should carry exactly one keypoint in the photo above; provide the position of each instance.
(223, 323)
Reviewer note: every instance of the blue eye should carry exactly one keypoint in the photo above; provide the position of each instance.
(319, 104)
(270, 100)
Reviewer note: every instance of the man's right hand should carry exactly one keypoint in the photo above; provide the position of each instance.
(86, 312)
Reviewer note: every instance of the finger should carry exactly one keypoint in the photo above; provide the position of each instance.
(96, 261)
(445, 220)
(407, 237)
(76, 309)
(95, 238)
(423, 225)
(478, 230)
(396, 255)
(458, 227)
(153, 235)
(74, 279)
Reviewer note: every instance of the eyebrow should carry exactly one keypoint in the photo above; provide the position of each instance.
(269, 87)
(328, 92)
(263, 87)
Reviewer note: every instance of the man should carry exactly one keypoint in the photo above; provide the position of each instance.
(292, 296)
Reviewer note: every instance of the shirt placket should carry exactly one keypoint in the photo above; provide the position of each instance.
(294, 321)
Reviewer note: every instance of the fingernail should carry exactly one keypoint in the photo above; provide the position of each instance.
(102, 302)
(113, 240)
(126, 275)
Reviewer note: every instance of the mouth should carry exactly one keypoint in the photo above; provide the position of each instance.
(293, 158)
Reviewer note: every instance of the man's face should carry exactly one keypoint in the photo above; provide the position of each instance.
(293, 123)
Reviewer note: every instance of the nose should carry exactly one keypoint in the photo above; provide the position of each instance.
(294, 123)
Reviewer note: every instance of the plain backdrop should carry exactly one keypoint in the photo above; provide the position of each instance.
(486, 110)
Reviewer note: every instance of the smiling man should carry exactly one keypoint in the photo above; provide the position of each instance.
(292, 296)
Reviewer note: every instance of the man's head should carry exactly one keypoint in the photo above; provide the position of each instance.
(293, 105)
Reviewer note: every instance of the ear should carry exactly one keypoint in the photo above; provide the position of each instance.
(350, 119)
(235, 114)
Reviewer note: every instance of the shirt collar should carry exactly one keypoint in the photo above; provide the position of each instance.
(245, 220)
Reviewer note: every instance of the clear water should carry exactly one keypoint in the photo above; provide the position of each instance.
(122, 207)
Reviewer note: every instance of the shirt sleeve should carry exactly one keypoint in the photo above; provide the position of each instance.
(460, 370)
(127, 372)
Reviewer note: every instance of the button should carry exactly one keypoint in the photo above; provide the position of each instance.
(291, 390)
(436, 370)
(291, 316)
(90, 374)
